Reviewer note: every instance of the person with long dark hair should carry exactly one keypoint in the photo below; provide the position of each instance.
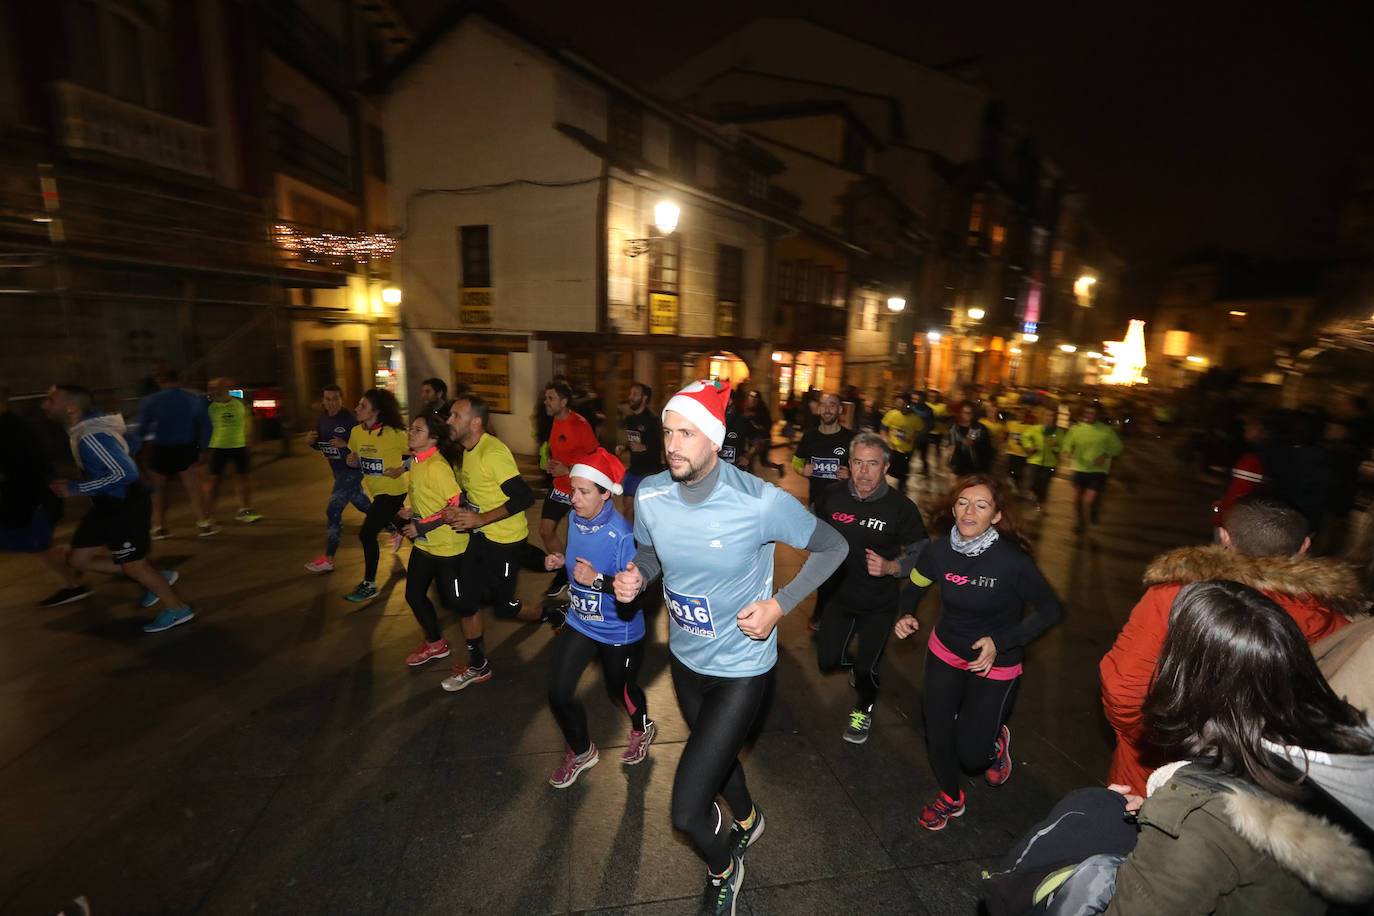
(1269, 757)
(986, 578)
(377, 445)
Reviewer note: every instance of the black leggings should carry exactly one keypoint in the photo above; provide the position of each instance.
(720, 711)
(425, 568)
(573, 651)
(964, 712)
(379, 516)
(838, 626)
(1040, 481)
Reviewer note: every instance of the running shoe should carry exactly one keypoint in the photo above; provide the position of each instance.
(465, 676)
(207, 528)
(428, 651)
(397, 539)
(741, 839)
(558, 587)
(65, 596)
(572, 765)
(248, 516)
(169, 618)
(365, 591)
(161, 534)
(638, 747)
(1000, 771)
(150, 597)
(556, 616)
(856, 732)
(721, 893)
(320, 564)
(935, 815)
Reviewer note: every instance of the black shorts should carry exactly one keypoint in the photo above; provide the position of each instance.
(219, 457)
(172, 459)
(554, 508)
(1090, 480)
(119, 524)
(488, 574)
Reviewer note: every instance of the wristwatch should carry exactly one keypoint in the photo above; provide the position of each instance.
(599, 583)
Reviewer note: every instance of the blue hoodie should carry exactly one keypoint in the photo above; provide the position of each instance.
(103, 457)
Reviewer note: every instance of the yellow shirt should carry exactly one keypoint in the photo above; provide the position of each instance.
(1015, 429)
(902, 430)
(378, 450)
(228, 423)
(488, 465)
(433, 486)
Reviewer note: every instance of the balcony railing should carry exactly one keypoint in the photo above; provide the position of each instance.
(303, 41)
(310, 155)
(94, 121)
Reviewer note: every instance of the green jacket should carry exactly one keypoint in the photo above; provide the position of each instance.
(1215, 844)
(1088, 442)
(1041, 446)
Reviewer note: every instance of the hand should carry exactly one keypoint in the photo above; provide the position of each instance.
(584, 573)
(877, 566)
(395, 472)
(758, 619)
(311, 438)
(338, 443)
(557, 468)
(1100, 460)
(410, 531)
(59, 487)
(405, 512)
(808, 469)
(987, 654)
(553, 561)
(842, 473)
(462, 519)
(351, 460)
(1133, 801)
(628, 583)
(906, 625)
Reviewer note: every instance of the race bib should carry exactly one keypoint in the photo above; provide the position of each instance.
(900, 434)
(632, 435)
(372, 467)
(691, 613)
(559, 496)
(330, 452)
(585, 603)
(727, 453)
(825, 468)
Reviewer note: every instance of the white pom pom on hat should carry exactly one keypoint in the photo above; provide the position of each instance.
(703, 404)
(602, 468)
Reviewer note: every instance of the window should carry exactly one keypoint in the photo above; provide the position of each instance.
(999, 235)
(758, 184)
(729, 288)
(1057, 262)
(975, 215)
(107, 50)
(376, 152)
(787, 281)
(475, 253)
(625, 127)
(682, 154)
(665, 264)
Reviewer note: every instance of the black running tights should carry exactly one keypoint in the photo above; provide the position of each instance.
(573, 651)
(720, 711)
(964, 712)
(379, 516)
(839, 624)
(425, 568)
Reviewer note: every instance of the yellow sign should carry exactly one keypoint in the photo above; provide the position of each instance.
(725, 318)
(474, 306)
(662, 313)
(489, 376)
(1175, 343)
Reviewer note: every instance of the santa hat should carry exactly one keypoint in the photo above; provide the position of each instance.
(703, 404)
(602, 468)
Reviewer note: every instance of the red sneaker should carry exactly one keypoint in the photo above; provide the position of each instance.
(1000, 771)
(935, 815)
(427, 652)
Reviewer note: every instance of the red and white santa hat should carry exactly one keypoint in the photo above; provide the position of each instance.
(602, 468)
(703, 404)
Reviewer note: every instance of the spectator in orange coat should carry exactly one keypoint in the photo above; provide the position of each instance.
(1263, 545)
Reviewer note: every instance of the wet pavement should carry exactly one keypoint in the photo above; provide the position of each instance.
(276, 754)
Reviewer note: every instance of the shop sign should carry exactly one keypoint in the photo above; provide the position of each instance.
(474, 306)
(489, 376)
(662, 313)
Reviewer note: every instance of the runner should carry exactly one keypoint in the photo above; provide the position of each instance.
(332, 432)
(1041, 442)
(570, 439)
(119, 513)
(923, 411)
(434, 398)
(734, 448)
(1017, 451)
(760, 431)
(885, 532)
(901, 428)
(230, 428)
(710, 529)
(600, 544)
(1091, 444)
(436, 557)
(29, 510)
(823, 453)
(643, 444)
(175, 430)
(986, 578)
(376, 446)
(494, 515)
(970, 444)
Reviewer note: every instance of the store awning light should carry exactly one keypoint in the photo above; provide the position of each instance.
(391, 295)
(1068, 348)
(666, 214)
(976, 314)
(896, 303)
(932, 336)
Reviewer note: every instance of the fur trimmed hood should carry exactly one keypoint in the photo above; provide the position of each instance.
(1329, 581)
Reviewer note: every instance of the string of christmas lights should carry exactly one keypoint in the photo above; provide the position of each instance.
(369, 246)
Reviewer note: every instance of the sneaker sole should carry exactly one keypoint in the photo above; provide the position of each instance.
(187, 619)
(428, 660)
(79, 597)
(360, 600)
(477, 680)
(318, 569)
(161, 537)
(959, 813)
(644, 755)
(856, 739)
(576, 773)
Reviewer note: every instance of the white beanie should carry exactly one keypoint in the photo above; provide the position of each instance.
(702, 403)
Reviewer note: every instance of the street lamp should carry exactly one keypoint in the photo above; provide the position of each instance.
(896, 303)
(932, 336)
(666, 215)
(1082, 287)
(391, 295)
(1068, 348)
(976, 314)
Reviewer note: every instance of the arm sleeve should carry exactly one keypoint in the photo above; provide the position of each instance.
(646, 561)
(1045, 607)
(519, 496)
(107, 465)
(828, 550)
(1129, 666)
(914, 539)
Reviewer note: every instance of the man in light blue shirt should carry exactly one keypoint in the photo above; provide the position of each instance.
(709, 529)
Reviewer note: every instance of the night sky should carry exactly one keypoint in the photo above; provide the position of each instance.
(1188, 125)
